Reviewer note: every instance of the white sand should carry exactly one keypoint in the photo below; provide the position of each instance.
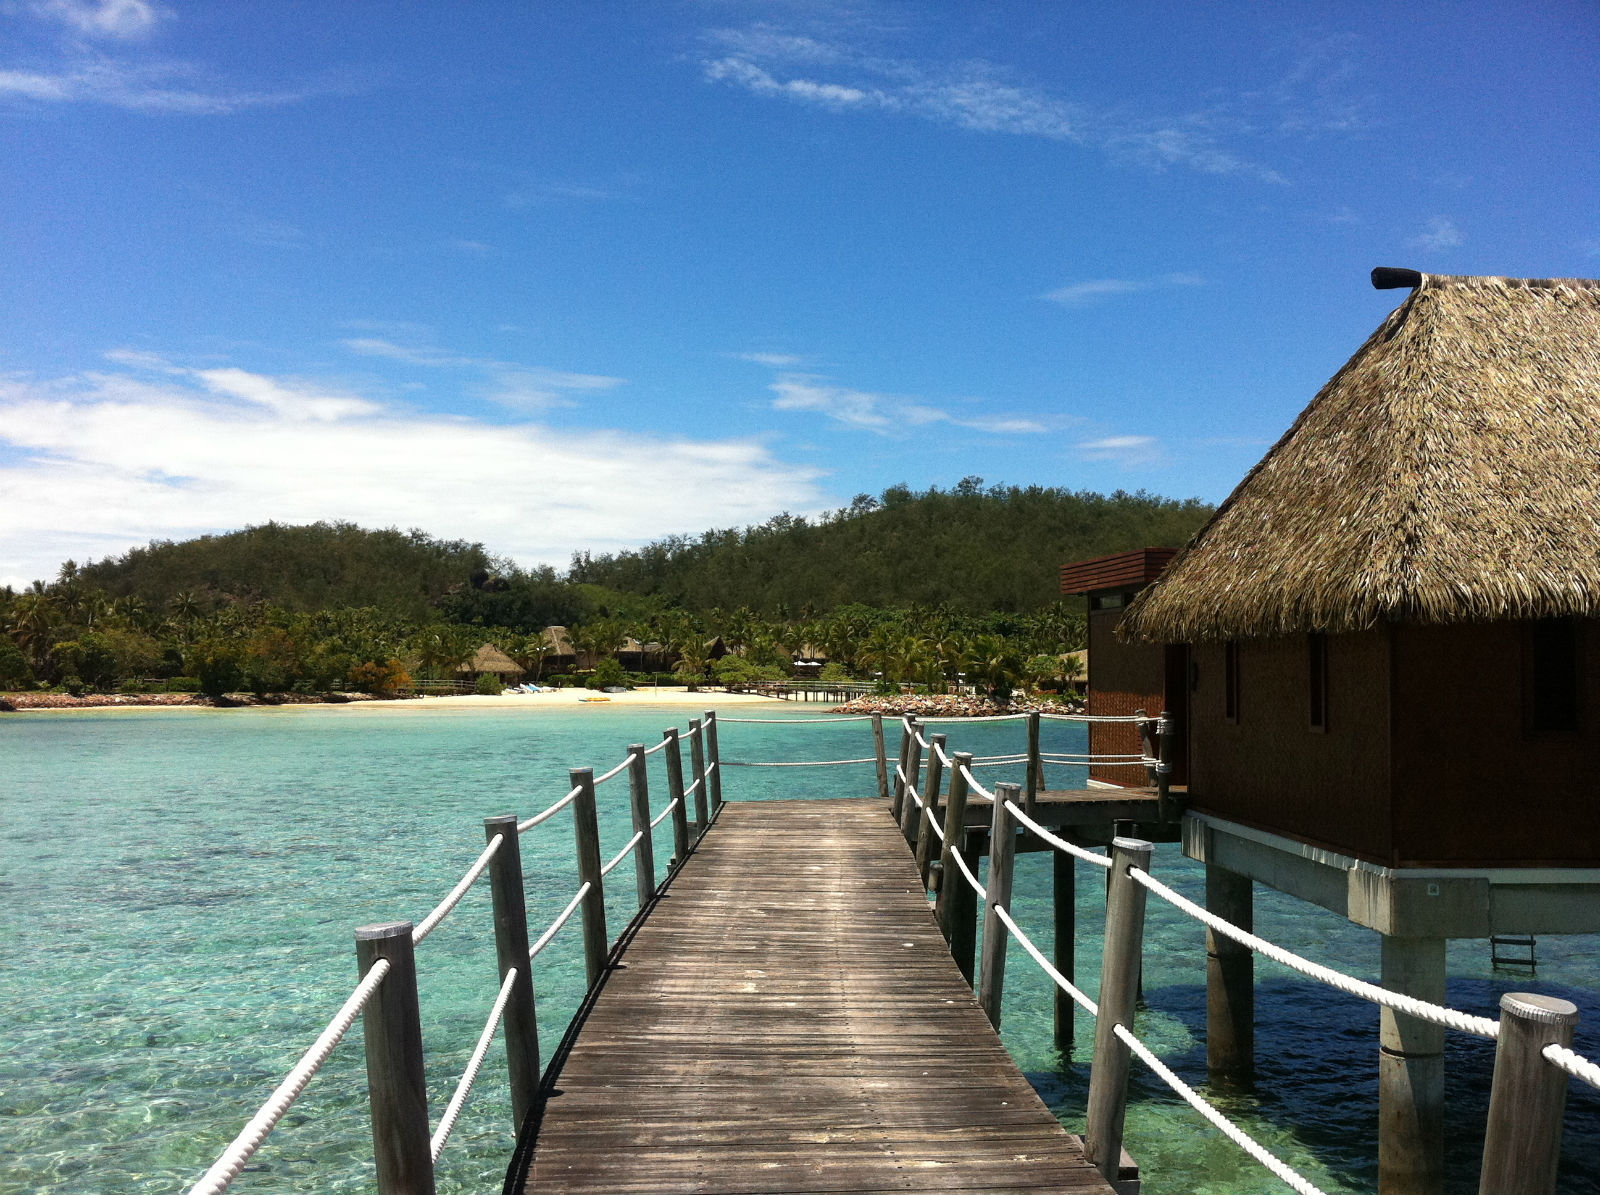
(667, 695)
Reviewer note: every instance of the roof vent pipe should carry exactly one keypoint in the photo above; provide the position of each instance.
(1390, 278)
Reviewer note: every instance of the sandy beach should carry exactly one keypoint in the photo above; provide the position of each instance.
(674, 696)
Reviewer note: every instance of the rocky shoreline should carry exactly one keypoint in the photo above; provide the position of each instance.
(951, 705)
(16, 702)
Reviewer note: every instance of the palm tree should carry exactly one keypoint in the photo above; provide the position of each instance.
(692, 661)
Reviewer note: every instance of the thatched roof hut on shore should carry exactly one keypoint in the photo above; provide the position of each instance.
(490, 659)
(1450, 472)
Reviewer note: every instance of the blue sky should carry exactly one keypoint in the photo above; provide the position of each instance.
(561, 276)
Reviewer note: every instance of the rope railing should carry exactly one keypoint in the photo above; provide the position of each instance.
(665, 813)
(622, 854)
(616, 771)
(793, 721)
(243, 1147)
(1060, 844)
(1423, 1010)
(1061, 981)
(1095, 717)
(804, 763)
(1228, 1129)
(427, 925)
(561, 919)
(1573, 1063)
(447, 1122)
(657, 747)
(689, 792)
(524, 827)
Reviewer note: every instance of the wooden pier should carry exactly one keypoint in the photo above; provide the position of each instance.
(791, 1019)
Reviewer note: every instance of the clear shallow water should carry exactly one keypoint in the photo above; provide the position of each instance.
(178, 891)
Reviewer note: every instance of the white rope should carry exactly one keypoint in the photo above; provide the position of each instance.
(1573, 1063)
(662, 816)
(1068, 757)
(961, 866)
(227, 1167)
(922, 742)
(972, 783)
(622, 854)
(555, 926)
(943, 758)
(933, 824)
(447, 1122)
(1096, 717)
(1062, 982)
(794, 721)
(1423, 1010)
(429, 922)
(523, 827)
(1002, 762)
(690, 733)
(657, 747)
(971, 718)
(1230, 1130)
(621, 767)
(1061, 844)
(806, 763)
(690, 790)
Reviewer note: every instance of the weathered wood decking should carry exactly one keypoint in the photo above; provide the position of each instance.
(788, 1019)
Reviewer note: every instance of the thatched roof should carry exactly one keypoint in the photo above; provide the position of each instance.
(557, 642)
(490, 658)
(1449, 472)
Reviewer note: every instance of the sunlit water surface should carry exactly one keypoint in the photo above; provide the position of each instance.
(178, 891)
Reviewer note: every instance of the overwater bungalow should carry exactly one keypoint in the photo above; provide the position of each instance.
(1389, 636)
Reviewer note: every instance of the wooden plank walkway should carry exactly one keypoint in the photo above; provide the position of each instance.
(788, 1019)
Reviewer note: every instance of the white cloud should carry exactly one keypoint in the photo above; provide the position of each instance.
(168, 87)
(1082, 294)
(520, 387)
(122, 19)
(1440, 234)
(885, 414)
(1127, 451)
(772, 360)
(94, 464)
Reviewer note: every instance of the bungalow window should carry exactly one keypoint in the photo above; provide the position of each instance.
(1317, 676)
(1230, 680)
(1553, 675)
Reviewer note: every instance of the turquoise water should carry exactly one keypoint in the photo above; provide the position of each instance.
(178, 890)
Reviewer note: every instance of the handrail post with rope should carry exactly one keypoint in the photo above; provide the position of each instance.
(644, 854)
(1119, 989)
(680, 807)
(1230, 977)
(397, 1088)
(957, 907)
(1164, 809)
(697, 763)
(882, 757)
(897, 790)
(1035, 776)
(1522, 1141)
(713, 760)
(1064, 897)
(586, 834)
(926, 833)
(997, 893)
(511, 951)
(909, 806)
(1145, 727)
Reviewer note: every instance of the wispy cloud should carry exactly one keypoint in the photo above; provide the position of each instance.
(509, 383)
(774, 62)
(884, 414)
(121, 19)
(164, 87)
(1127, 451)
(1441, 233)
(1083, 294)
(772, 360)
(554, 192)
(99, 462)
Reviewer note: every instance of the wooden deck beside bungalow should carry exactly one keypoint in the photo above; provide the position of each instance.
(764, 1031)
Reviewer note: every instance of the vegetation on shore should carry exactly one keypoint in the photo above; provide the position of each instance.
(908, 587)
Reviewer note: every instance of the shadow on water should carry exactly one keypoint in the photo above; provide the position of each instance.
(1315, 1090)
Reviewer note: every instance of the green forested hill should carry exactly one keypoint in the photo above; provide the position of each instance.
(321, 566)
(974, 549)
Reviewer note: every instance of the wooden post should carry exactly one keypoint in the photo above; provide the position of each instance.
(511, 950)
(586, 829)
(1522, 1141)
(1164, 809)
(644, 855)
(997, 892)
(908, 806)
(957, 906)
(1411, 1072)
(883, 759)
(1035, 776)
(713, 760)
(1119, 986)
(897, 785)
(930, 812)
(1147, 743)
(680, 813)
(697, 762)
(1230, 978)
(397, 1089)
(1064, 891)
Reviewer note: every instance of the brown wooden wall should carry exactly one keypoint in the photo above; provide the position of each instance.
(1472, 785)
(1270, 769)
(1123, 677)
